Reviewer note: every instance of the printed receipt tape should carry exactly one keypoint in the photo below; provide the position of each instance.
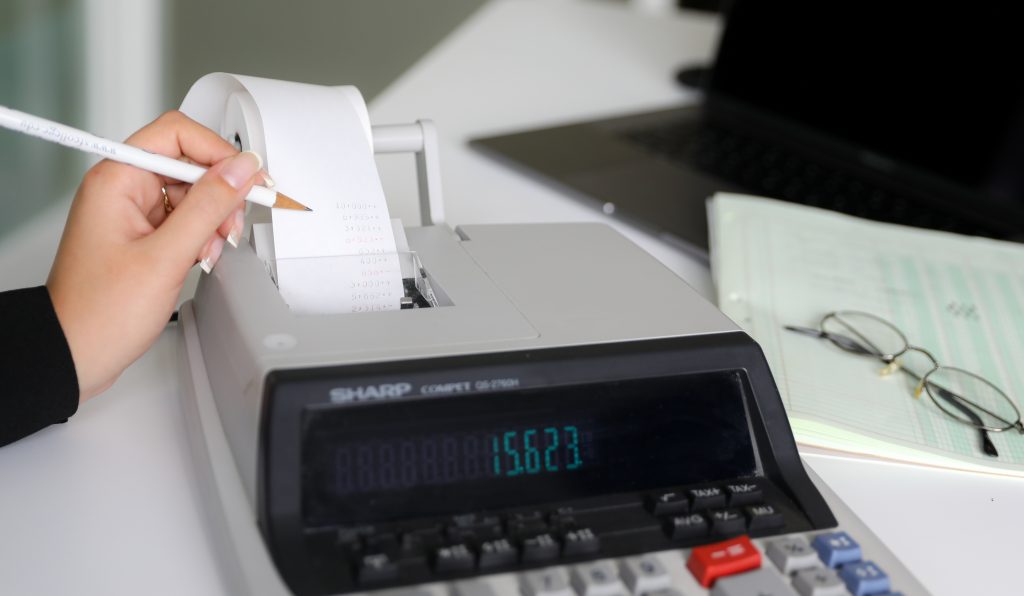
(316, 143)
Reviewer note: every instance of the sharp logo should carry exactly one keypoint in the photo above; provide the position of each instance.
(344, 395)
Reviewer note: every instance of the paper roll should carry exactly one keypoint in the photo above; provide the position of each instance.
(317, 145)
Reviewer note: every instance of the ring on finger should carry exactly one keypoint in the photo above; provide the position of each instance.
(167, 200)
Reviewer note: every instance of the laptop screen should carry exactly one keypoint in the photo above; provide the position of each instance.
(939, 86)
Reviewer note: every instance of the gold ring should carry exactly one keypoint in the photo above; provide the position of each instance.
(167, 200)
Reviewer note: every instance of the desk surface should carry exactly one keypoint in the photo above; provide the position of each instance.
(107, 504)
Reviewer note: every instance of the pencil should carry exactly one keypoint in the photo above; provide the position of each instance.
(55, 132)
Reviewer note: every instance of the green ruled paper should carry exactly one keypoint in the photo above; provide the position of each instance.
(961, 298)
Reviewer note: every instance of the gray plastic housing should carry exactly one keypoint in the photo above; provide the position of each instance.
(511, 287)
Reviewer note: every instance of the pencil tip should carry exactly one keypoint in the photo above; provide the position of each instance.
(283, 201)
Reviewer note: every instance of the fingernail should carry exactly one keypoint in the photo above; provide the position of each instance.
(236, 228)
(241, 168)
(267, 180)
(211, 254)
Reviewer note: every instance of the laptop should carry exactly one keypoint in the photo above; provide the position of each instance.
(910, 113)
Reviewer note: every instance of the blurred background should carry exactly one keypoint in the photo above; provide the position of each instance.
(111, 66)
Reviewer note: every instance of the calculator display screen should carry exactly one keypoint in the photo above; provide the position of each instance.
(411, 458)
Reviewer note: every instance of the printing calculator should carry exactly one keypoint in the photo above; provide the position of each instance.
(659, 466)
(563, 417)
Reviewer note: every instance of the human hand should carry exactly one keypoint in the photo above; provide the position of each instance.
(123, 259)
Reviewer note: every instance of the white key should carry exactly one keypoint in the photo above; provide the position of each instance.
(473, 587)
(791, 554)
(644, 574)
(599, 578)
(546, 582)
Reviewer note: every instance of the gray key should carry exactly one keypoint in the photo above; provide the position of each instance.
(665, 592)
(546, 582)
(644, 574)
(416, 591)
(792, 554)
(819, 582)
(762, 582)
(599, 578)
(473, 587)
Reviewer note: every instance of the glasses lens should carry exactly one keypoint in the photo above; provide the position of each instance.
(864, 333)
(970, 398)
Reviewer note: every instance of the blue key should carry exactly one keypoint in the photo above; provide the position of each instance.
(864, 578)
(836, 548)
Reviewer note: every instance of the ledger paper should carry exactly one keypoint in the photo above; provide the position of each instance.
(961, 298)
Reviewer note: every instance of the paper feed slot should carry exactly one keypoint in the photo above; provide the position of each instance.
(419, 291)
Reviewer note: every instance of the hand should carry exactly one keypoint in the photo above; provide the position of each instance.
(123, 259)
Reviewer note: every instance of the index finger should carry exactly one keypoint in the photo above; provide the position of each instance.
(176, 135)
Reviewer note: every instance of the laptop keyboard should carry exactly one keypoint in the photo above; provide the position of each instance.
(765, 168)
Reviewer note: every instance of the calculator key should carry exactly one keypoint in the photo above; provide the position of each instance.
(706, 498)
(526, 529)
(382, 543)
(792, 554)
(685, 527)
(543, 547)
(708, 563)
(600, 578)
(495, 554)
(664, 592)
(644, 574)
(473, 587)
(526, 524)
(836, 548)
(727, 522)
(761, 582)
(377, 568)
(456, 557)
(580, 542)
(563, 520)
(764, 517)
(418, 545)
(670, 503)
(473, 520)
(414, 591)
(819, 582)
(475, 534)
(430, 536)
(864, 578)
(354, 533)
(743, 493)
(545, 582)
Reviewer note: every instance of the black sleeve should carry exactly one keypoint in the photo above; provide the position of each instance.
(38, 383)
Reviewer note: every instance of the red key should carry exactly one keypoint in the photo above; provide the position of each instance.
(710, 562)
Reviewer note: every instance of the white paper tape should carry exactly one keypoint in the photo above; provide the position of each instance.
(317, 145)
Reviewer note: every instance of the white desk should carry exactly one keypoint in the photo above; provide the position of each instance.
(107, 503)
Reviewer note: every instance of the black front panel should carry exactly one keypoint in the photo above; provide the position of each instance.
(402, 472)
(427, 457)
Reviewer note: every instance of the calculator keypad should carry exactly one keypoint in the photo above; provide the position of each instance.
(782, 566)
(731, 539)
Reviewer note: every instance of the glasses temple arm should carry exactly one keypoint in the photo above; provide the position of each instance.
(847, 343)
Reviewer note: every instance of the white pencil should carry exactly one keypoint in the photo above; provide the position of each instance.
(151, 162)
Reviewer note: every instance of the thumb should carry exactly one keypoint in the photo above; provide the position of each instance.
(210, 201)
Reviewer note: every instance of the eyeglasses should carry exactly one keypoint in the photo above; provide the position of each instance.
(962, 395)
